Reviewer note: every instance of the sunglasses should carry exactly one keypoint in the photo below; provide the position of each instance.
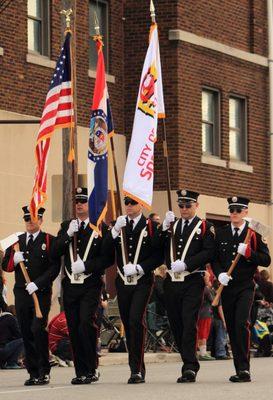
(238, 210)
(28, 219)
(81, 201)
(186, 205)
(130, 201)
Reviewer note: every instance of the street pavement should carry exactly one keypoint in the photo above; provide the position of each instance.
(160, 383)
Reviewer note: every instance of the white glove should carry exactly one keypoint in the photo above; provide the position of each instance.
(77, 266)
(132, 269)
(169, 218)
(178, 266)
(18, 257)
(242, 249)
(31, 288)
(73, 227)
(224, 278)
(120, 223)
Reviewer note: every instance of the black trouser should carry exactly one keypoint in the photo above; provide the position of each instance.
(80, 306)
(63, 350)
(34, 333)
(237, 302)
(183, 301)
(132, 302)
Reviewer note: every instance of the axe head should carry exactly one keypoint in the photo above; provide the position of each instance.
(10, 240)
(258, 227)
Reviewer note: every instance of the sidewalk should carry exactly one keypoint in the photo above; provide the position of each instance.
(122, 358)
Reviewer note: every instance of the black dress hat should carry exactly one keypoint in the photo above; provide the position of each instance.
(185, 195)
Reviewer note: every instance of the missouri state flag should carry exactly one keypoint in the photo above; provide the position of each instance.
(139, 171)
(101, 128)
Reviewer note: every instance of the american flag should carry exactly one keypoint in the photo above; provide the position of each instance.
(58, 113)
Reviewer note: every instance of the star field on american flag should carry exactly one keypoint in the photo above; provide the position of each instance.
(62, 72)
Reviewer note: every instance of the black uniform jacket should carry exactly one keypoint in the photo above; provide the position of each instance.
(201, 248)
(41, 267)
(96, 261)
(149, 257)
(226, 251)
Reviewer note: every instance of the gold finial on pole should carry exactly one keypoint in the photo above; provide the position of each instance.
(97, 25)
(67, 14)
(152, 11)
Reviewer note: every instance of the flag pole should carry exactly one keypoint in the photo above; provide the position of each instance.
(73, 129)
(165, 149)
(113, 158)
(97, 30)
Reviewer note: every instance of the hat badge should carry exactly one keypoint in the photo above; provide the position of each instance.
(79, 190)
(183, 192)
(234, 199)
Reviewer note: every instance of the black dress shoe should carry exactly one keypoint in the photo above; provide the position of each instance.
(81, 380)
(43, 380)
(242, 376)
(136, 378)
(94, 376)
(187, 377)
(31, 381)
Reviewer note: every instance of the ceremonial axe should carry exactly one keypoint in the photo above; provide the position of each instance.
(253, 225)
(13, 240)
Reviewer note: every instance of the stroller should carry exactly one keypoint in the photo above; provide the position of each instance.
(110, 335)
(159, 336)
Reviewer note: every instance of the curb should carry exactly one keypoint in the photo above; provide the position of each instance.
(122, 358)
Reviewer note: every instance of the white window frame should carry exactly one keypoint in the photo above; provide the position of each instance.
(45, 29)
(105, 37)
(216, 125)
(244, 131)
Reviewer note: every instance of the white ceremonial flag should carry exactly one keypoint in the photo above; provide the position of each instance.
(139, 170)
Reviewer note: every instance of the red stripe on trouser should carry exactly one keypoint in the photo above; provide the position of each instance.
(97, 334)
(144, 330)
(10, 267)
(196, 325)
(248, 324)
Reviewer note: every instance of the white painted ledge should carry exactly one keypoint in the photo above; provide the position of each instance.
(218, 162)
(240, 166)
(1, 51)
(40, 60)
(109, 78)
(184, 36)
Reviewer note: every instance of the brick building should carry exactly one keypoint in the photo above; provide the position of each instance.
(216, 84)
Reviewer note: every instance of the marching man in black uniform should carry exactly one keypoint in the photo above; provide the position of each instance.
(184, 284)
(82, 286)
(34, 252)
(237, 296)
(134, 281)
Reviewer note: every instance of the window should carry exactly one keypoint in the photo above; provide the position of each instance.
(210, 122)
(237, 129)
(101, 9)
(38, 26)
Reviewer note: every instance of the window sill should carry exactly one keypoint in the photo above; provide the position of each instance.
(109, 78)
(40, 60)
(240, 166)
(1, 51)
(212, 160)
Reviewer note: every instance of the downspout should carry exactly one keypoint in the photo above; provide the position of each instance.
(270, 66)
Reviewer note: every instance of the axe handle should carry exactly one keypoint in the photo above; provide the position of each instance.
(38, 311)
(229, 272)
